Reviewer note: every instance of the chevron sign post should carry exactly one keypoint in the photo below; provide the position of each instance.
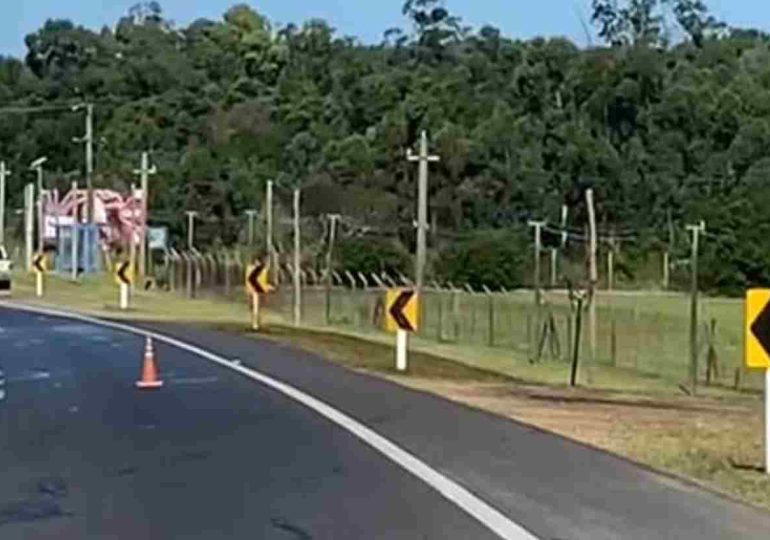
(402, 316)
(757, 348)
(124, 276)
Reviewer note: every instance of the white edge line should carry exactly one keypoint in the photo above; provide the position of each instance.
(485, 514)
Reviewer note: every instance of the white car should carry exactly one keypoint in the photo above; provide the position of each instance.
(6, 265)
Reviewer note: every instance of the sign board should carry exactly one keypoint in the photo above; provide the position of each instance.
(39, 263)
(402, 308)
(157, 238)
(257, 278)
(124, 274)
(757, 329)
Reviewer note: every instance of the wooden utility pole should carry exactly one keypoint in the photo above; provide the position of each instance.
(269, 227)
(4, 174)
(593, 273)
(333, 219)
(296, 270)
(144, 173)
(422, 205)
(696, 231)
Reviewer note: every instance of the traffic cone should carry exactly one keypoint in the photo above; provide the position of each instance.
(149, 369)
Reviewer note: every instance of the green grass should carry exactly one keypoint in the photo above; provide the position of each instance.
(651, 342)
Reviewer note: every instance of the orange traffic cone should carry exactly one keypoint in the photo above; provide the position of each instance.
(149, 369)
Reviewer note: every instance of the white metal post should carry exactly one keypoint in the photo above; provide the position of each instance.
(39, 284)
(255, 311)
(767, 421)
(123, 296)
(402, 339)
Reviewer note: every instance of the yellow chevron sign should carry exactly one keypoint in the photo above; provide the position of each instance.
(757, 329)
(402, 310)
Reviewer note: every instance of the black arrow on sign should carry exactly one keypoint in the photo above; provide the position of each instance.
(253, 279)
(38, 263)
(122, 273)
(761, 328)
(397, 310)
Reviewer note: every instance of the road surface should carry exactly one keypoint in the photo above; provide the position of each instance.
(216, 454)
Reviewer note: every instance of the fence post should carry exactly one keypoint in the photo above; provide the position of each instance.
(456, 312)
(471, 295)
(170, 270)
(311, 271)
(188, 272)
(227, 272)
(212, 264)
(378, 281)
(491, 314)
(440, 298)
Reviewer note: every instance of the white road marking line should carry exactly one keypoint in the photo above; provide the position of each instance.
(484, 513)
(31, 377)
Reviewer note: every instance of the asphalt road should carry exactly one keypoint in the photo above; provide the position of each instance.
(217, 455)
(212, 455)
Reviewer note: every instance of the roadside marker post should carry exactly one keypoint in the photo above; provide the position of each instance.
(757, 348)
(402, 309)
(124, 276)
(40, 267)
(257, 283)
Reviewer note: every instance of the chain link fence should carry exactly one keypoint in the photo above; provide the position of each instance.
(644, 336)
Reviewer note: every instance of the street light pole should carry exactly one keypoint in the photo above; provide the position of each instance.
(37, 166)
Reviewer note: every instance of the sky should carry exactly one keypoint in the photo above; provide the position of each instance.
(364, 19)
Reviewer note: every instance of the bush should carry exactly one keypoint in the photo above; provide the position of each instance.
(495, 258)
(373, 255)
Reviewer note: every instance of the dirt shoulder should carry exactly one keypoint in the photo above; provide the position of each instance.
(713, 441)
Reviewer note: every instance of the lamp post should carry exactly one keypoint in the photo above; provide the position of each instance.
(37, 166)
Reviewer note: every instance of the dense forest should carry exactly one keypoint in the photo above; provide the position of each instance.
(668, 119)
